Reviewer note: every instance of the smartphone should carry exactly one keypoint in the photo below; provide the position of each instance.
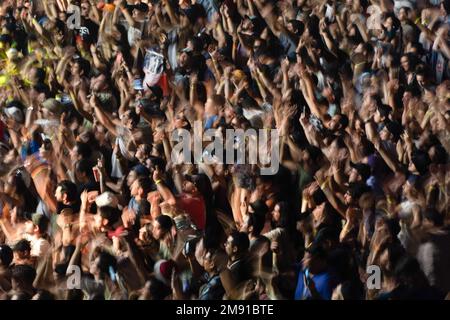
(138, 84)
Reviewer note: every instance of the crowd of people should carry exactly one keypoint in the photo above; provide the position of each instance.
(94, 205)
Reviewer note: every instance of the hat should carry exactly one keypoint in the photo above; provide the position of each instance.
(40, 220)
(54, 106)
(362, 168)
(15, 113)
(22, 245)
(107, 199)
(163, 270)
(12, 53)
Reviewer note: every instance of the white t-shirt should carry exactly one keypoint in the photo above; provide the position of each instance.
(39, 246)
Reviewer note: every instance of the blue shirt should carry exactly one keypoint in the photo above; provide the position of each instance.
(324, 283)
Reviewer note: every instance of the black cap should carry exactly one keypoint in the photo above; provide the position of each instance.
(362, 168)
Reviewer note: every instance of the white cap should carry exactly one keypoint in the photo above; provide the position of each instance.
(15, 113)
(107, 199)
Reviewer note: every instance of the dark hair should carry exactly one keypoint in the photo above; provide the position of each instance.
(110, 213)
(44, 295)
(434, 216)
(218, 100)
(70, 189)
(256, 220)
(285, 215)
(106, 261)
(84, 149)
(165, 222)
(24, 274)
(6, 255)
(85, 66)
(145, 183)
(384, 110)
(421, 161)
(84, 166)
(135, 118)
(241, 241)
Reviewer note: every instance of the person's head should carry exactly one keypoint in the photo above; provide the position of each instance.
(139, 11)
(190, 184)
(81, 150)
(85, 7)
(355, 191)
(213, 261)
(102, 264)
(162, 226)
(37, 225)
(280, 215)
(420, 162)
(382, 113)
(22, 277)
(215, 102)
(141, 187)
(327, 238)
(237, 244)
(390, 131)
(315, 259)
(255, 224)
(403, 14)
(338, 122)
(143, 152)
(130, 119)
(406, 62)
(184, 59)
(6, 255)
(137, 171)
(66, 192)
(106, 217)
(83, 171)
(432, 217)
(80, 67)
(22, 250)
(359, 172)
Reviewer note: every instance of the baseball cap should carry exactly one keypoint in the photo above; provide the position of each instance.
(107, 199)
(54, 106)
(14, 113)
(40, 220)
(163, 270)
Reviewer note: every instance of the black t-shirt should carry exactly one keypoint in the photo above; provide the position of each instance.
(88, 31)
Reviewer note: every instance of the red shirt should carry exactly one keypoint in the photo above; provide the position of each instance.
(195, 207)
